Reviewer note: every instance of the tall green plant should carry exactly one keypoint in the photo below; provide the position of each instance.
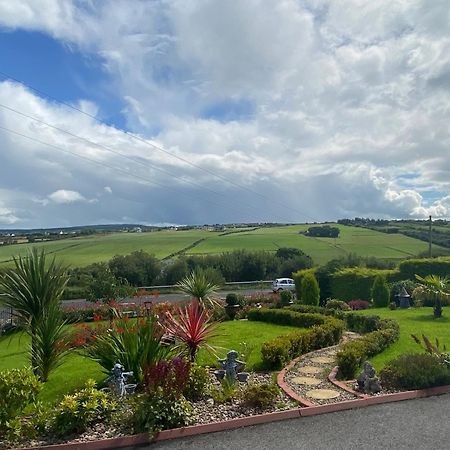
(380, 292)
(33, 289)
(309, 290)
(436, 287)
(198, 286)
(134, 343)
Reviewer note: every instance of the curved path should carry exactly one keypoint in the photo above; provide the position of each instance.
(413, 424)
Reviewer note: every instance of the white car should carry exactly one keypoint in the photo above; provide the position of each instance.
(283, 283)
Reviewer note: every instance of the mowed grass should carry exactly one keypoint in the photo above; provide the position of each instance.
(76, 369)
(231, 335)
(416, 321)
(83, 251)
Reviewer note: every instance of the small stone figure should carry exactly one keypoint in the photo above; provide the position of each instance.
(231, 368)
(367, 381)
(118, 380)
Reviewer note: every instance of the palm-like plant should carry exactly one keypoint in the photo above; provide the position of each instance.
(199, 287)
(436, 286)
(33, 289)
(192, 327)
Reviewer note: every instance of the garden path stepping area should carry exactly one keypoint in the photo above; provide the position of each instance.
(308, 378)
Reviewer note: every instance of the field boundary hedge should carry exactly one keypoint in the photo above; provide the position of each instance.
(324, 332)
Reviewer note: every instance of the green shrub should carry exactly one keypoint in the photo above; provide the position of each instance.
(354, 353)
(76, 412)
(298, 277)
(414, 371)
(380, 292)
(18, 388)
(227, 391)
(285, 297)
(155, 412)
(325, 331)
(199, 383)
(309, 290)
(356, 282)
(392, 306)
(409, 268)
(260, 395)
(337, 304)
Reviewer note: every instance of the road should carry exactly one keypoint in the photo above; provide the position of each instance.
(413, 425)
(174, 298)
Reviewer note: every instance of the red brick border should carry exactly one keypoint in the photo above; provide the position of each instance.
(344, 386)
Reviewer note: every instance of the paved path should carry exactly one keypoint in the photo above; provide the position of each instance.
(414, 425)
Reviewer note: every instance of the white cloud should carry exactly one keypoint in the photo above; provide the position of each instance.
(329, 104)
(62, 196)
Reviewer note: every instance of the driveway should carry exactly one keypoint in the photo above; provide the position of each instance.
(421, 424)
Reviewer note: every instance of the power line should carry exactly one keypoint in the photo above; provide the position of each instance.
(146, 180)
(159, 148)
(109, 149)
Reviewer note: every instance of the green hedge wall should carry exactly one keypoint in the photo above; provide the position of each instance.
(324, 331)
(423, 267)
(356, 283)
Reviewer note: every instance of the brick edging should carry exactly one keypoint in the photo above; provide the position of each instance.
(344, 386)
(193, 430)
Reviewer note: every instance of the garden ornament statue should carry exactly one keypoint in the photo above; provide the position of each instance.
(117, 381)
(231, 368)
(367, 381)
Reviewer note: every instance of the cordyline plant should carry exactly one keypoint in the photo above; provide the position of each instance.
(134, 343)
(191, 327)
(436, 287)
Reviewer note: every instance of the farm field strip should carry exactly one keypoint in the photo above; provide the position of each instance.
(83, 251)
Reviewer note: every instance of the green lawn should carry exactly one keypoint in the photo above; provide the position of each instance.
(416, 321)
(76, 368)
(86, 250)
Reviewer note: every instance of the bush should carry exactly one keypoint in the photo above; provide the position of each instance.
(18, 388)
(198, 383)
(325, 331)
(285, 298)
(155, 412)
(337, 304)
(392, 306)
(309, 290)
(357, 282)
(75, 413)
(357, 305)
(380, 292)
(354, 353)
(260, 395)
(414, 371)
(409, 268)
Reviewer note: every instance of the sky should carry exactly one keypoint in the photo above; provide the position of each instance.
(212, 111)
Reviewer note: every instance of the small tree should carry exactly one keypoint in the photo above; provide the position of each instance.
(309, 290)
(380, 292)
(436, 287)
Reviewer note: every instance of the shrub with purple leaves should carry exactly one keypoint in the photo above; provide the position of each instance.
(359, 304)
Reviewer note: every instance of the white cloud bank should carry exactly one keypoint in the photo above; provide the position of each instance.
(334, 108)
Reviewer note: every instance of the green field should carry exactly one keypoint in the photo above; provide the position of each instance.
(86, 250)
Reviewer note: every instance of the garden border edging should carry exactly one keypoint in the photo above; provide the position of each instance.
(145, 438)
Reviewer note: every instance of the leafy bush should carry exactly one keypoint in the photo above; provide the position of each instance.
(227, 391)
(356, 305)
(136, 344)
(414, 371)
(198, 383)
(155, 412)
(76, 412)
(285, 297)
(309, 290)
(325, 331)
(354, 353)
(357, 282)
(392, 306)
(18, 388)
(170, 377)
(337, 304)
(380, 292)
(409, 268)
(260, 395)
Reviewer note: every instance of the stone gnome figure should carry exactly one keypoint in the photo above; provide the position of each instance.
(368, 382)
